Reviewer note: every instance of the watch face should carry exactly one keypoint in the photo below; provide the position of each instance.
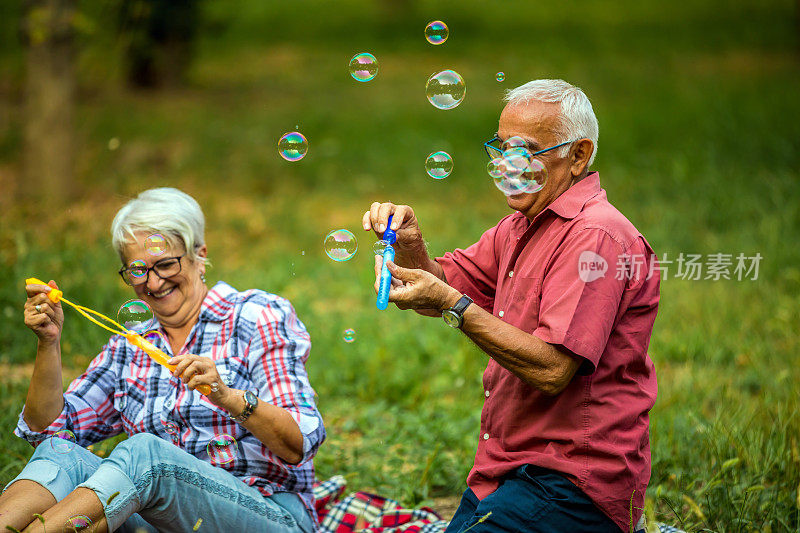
(450, 318)
(251, 398)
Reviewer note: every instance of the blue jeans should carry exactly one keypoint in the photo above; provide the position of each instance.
(147, 482)
(532, 499)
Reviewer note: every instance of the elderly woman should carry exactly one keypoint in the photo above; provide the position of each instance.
(240, 457)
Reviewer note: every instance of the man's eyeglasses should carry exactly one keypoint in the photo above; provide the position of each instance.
(494, 148)
(137, 274)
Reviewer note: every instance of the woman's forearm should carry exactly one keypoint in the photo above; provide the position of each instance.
(45, 399)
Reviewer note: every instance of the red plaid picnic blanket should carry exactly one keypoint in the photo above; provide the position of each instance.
(362, 511)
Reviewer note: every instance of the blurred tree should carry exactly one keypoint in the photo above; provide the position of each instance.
(47, 33)
(160, 36)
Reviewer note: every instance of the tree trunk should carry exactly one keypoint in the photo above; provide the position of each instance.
(48, 159)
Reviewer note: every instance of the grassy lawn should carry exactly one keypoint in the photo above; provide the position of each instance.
(699, 148)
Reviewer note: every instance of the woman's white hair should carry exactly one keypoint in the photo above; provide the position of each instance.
(165, 210)
(577, 116)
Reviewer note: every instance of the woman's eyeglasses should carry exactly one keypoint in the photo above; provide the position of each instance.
(137, 274)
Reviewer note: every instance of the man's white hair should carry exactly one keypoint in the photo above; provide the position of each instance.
(165, 210)
(577, 116)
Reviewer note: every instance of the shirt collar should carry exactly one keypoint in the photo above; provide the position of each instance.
(218, 303)
(571, 201)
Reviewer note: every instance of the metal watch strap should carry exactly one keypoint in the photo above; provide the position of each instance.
(248, 409)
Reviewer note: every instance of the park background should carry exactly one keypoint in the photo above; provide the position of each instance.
(699, 147)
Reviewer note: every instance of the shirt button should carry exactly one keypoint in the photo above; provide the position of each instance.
(511, 274)
(485, 436)
(123, 401)
(501, 313)
(169, 403)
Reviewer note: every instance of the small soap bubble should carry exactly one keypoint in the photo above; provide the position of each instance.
(363, 66)
(155, 337)
(513, 142)
(436, 32)
(134, 313)
(501, 76)
(349, 335)
(439, 165)
(137, 268)
(445, 89)
(78, 522)
(113, 143)
(379, 247)
(221, 449)
(340, 245)
(514, 180)
(293, 146)
(155, 244)
(63, 441)
(496, 167)
(197, 525)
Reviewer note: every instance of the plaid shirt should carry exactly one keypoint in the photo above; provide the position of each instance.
(257, 343)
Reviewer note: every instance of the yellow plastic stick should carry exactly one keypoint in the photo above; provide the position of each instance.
(134, 338)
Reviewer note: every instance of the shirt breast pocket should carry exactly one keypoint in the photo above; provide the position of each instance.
(129, 402)
(524, 303)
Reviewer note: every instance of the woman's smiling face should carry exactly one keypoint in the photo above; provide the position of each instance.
(174, 300)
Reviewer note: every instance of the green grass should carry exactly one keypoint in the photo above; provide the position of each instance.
(699, 148)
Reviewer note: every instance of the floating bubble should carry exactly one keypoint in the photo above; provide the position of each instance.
(439, 165)
(293, 146)
(436, 32)
(496, 167)
(155, 337)
(445, 89)
(349, 335)
(134, 313)
(501, 76)
(512, 180)
(379, 247)
(340, 245)
(221, 449)
(137, 268)
(363, 66)
(513, 142)
(516, 163)
(78, 522)
(172, 429)
(155, 244)
(63, 441)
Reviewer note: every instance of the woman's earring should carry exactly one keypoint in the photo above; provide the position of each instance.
(203, 277)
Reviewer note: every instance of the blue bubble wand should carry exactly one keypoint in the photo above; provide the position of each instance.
(388, 255)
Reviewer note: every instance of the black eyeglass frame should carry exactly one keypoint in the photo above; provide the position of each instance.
(146, 276)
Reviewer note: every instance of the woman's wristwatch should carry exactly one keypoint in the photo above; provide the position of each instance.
(250, 402)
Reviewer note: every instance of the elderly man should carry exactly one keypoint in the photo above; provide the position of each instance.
(562, 295)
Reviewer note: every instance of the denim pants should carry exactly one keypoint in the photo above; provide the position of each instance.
(532, 499)
(149, 483)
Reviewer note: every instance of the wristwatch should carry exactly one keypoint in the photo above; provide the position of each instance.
(250, 402)
(454, 317)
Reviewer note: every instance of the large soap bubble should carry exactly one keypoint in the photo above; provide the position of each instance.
(363, 66)
(445, 89)
(436, 32)
(439, 165)
(293, 146)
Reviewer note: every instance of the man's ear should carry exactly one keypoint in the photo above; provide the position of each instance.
(579, 155)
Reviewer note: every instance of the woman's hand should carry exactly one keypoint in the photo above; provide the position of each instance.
(44, 317)
(195, 370)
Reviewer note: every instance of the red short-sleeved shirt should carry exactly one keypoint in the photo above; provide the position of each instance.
(580, 276)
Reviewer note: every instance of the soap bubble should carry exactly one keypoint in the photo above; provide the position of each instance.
(512, 180)
(501, 76)
(63, 441)
(496, 167)
(155, 337)
(439, 165)
(134, 313)
(78, 522)
(137, 269)
(221, 449)
(349, 335)
(513, 142)
(436, 32)
(363, 66)
(293, 146)
(445, 89)
(340, 245)
(155, 244)
(379, 247)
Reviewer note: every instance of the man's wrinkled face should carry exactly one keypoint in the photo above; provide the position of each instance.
(536, 122)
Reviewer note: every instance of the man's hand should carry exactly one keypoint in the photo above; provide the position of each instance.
(410, 246)
(417, 289)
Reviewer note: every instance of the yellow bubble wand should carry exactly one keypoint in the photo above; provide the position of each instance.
(56, 295)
